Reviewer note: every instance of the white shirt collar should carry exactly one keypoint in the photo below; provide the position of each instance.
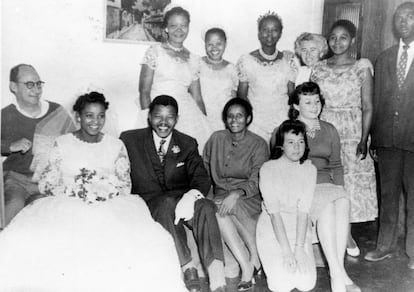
(44, 108)
(410, 54)
(157, 141)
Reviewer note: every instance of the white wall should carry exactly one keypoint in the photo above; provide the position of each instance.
(63, 39)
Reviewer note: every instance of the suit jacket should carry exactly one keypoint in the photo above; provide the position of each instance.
(393, 120)
(183, 167)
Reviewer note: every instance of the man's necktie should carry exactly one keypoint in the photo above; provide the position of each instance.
(402, 65)
(161, 152)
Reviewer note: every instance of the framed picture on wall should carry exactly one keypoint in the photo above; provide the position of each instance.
(135, 20)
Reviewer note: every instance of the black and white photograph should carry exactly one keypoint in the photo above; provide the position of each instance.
(207, 146)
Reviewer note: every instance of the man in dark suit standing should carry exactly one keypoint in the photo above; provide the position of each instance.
(393, 135)
(168, 173)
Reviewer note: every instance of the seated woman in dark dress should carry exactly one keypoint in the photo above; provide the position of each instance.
(233, 158)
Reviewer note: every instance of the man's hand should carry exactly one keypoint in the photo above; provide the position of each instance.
(228, 203)
(23, 145)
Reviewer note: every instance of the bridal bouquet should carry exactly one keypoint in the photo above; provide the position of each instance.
(91, 187)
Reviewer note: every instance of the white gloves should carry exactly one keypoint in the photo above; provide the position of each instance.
(185, 207)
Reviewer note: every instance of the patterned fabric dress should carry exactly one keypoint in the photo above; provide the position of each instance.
(94, 240)
(268, 91)
(216, 89)
(173, 76)
(342, 91)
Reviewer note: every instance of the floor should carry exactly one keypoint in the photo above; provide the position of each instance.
(391, 275)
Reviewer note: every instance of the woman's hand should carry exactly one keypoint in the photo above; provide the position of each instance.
(228, 203)
(302, 261)
(361, 150)
(289, 262)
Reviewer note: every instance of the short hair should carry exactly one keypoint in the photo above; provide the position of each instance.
(306, 88)
(407, 4)
(215, 30)
(164, 100)
(318, 39)
(175, 11)
(296, 127)
(14, 72)
(269, 15)
(88, 98)
(347, 25)
(241, 102)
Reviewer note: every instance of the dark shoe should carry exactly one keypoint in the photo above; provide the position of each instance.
(378, 255)
(191, 280)
(258, 274)
(244, 285)
(411, 264)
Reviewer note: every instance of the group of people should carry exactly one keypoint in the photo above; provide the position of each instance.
(237, 171)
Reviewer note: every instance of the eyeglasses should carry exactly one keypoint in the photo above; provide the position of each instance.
(31, 84)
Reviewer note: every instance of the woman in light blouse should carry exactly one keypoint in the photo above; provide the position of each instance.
(233, 158)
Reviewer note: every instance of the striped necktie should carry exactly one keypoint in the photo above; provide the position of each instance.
(402, 65)
(160, 151)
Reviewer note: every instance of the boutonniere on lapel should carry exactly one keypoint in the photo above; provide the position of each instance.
(175, 149)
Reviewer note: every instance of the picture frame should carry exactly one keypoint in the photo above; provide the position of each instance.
(135, 20)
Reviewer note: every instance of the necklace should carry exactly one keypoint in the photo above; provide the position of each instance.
(214, 61)
(266, 56)
(174, 48)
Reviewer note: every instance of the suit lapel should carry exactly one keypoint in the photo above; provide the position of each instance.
(171, 157)
(392, 66)
(149, 149)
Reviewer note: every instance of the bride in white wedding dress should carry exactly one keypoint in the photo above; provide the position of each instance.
(88, 233)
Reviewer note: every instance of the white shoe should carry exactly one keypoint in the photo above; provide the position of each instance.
(353, 251)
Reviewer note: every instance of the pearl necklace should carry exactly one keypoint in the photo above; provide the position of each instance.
(215, 62)
(266, 56)
(174, 48)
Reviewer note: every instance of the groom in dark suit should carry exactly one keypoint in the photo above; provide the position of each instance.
(168, 173)
(393, 135)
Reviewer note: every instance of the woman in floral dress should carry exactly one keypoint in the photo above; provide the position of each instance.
(266, 77)
(89, 233)
(346, 84)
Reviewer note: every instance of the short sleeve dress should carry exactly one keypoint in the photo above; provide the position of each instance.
(268, 91)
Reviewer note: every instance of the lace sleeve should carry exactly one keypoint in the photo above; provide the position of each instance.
(364, 64)
(241, 69)
(195, 66)
(50, 179)
(122, 171)
(150, 57)
(234, 77)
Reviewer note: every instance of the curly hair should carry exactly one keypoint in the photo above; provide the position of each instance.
(88, 98)
(269, 15)
(318, 39)
(175, 11)
(241, 102)
(347, 25)
(306, 88)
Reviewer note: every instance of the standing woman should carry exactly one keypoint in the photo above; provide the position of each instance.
(284, 238)
(218, 77)
(171, 69)
(266, 77)
(233, 158)
(347, 85)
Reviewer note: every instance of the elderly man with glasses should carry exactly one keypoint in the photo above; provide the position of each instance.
(28, 128)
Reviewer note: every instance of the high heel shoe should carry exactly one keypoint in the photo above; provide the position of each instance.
(258, 273)
(245, 285)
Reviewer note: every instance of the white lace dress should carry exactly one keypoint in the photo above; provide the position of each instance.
(77, 241)
(217, 87)
(173, 76)
(268, 91)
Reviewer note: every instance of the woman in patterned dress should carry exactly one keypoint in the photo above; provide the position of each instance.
(266, 77)
(346, 84)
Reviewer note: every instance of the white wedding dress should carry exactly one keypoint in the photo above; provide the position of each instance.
(65, 243)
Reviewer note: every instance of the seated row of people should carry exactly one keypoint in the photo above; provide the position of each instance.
(170, 175)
